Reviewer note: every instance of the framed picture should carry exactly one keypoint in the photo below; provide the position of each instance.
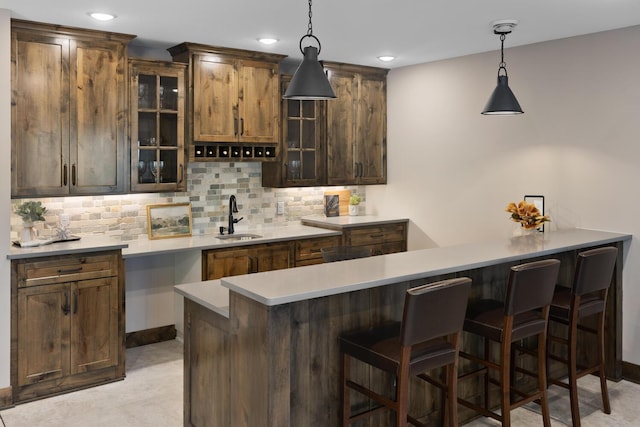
(169, 220)
(332, 205)
(538, 202)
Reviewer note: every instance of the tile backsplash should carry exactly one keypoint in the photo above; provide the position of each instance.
(209, 186)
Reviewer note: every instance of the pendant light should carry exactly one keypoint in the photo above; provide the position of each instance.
(309, 80)
(502, 100)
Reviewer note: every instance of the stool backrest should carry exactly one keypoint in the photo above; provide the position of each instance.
(531, 286)
(594, 270)
(434, 310)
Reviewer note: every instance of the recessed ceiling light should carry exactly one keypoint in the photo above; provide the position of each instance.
(386, 58)
(100, 16)
(267, 40)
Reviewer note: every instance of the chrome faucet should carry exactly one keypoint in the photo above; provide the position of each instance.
(233, 208)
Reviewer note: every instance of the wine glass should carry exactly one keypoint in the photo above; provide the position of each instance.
(142, 168)
(156, 169)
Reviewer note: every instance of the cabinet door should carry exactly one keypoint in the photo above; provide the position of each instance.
(43, 333)
(215, 99)
(225, 262)
(270, 257)
(39, 115)
(157, 126)
(97, 117)
(94, 324)
(259, 107)
(341, 116)
(371, 124)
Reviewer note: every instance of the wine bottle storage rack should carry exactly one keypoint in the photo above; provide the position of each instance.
(212, 152)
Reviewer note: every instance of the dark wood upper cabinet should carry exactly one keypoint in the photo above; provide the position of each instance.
(68, 110)
(157, 126)
(357, 125)
(302, 154)
(341, 141)
(233, 102)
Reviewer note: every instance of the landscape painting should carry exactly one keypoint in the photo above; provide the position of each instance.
(169, 220)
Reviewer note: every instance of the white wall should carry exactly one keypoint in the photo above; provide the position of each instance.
(5, 194)
(453, 171)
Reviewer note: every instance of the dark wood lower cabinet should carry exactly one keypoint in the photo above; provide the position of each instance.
(67, 323)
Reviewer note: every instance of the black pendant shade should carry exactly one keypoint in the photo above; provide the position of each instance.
(502, 100)
(309, 80)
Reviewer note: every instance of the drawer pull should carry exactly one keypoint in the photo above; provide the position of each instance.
(71, 270)
(375, 236)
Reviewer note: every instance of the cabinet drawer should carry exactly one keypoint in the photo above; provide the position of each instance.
(66, 268)
(308, 250)
(387, 248)
(376, 235)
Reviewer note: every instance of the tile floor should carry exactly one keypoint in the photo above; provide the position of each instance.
(151, 396)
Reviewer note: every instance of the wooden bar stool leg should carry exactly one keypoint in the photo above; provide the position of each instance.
(505, 381)
(603, 377)
(542, 378)
(451, 414)
(573, 373)
(345, 373)
(487, 356)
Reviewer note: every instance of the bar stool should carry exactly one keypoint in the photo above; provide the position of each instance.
(586, 297)
(524, 314)
(426, 339)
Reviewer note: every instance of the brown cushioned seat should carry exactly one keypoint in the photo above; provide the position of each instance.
(426, 339)
(524, 313)
(586, 297)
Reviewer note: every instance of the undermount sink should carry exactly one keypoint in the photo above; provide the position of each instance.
(238, 236)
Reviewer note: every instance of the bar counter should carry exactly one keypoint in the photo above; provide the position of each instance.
(279, 362)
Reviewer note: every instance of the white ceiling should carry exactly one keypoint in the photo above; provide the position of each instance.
(354, 31)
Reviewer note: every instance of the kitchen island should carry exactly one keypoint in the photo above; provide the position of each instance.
(279, 343)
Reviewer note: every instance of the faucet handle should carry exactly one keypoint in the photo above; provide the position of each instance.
(237, 220)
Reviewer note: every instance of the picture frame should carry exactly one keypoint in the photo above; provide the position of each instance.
(331, 205)
(169, 220)
(538, 202)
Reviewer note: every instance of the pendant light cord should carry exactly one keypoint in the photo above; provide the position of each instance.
(310, 28)
(310, 33)
(502, 65)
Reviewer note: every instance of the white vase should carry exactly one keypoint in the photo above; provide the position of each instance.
(353, 210)
(28, 232)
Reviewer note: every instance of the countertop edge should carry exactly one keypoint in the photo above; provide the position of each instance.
(296, 296)
(208, 294)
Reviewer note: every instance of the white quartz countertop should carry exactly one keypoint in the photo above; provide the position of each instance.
(297, 284)
(208, 294)
(88, 243)
(349, 221)
(208, 241)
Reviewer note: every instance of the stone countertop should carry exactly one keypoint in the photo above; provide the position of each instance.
(87, 243)
(295, 231)
(341, 222)
(285, 286)
(208, 294)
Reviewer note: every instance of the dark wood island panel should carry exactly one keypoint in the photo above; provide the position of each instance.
(284, 358)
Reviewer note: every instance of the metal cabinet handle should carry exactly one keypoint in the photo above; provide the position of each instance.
(73, 174)
(242, 126)
(235, 125)
(181, 173)
(65, 175)
(65, 307)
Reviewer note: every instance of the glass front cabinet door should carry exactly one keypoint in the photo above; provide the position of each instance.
(157, 126)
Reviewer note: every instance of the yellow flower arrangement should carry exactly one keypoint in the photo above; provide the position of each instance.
(526, 214)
